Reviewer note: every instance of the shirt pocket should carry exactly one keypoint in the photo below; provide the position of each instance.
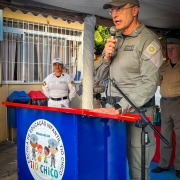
(174, 76)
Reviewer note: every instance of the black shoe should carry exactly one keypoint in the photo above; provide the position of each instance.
(159, 169)
(178, 173)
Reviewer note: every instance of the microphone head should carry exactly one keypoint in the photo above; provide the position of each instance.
(113, 30)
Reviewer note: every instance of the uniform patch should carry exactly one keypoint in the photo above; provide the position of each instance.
(154, 54)
(72, 82)
(151, 49)
(44, 83)
(129, 48)
(62, 82)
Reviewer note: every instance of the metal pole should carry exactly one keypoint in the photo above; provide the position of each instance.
(88, 62)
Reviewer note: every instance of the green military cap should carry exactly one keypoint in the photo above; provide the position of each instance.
(52, 143)
(33, 138)
(120, 3)
(173, 41)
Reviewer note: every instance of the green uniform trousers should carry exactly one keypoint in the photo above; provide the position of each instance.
(134, 148)
(170, 120)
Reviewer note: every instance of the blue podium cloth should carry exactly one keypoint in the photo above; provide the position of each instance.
(80, 147)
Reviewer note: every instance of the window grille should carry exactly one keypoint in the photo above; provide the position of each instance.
(28, 50)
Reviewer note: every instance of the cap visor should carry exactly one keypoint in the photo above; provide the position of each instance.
(57, 62)
(114, 3)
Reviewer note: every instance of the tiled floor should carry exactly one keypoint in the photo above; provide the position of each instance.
(8, 164)
(8, 161)
(166, 175)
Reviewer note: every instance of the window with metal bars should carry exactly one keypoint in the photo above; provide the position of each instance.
(28, 50)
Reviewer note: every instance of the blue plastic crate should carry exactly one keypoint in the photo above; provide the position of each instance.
(16, 97)
(19, 97)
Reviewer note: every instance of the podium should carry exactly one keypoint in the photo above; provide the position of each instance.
(70, 144)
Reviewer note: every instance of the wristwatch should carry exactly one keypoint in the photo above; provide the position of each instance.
(118, 107)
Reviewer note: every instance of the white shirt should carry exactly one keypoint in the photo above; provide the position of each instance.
(57, 87)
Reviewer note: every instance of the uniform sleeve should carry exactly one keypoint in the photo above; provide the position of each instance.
(97, 86)
(45, 88)
(102, 70)
(151, 60)
(72, 89)
(159, 79)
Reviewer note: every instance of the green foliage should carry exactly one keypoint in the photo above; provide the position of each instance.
(101, 34)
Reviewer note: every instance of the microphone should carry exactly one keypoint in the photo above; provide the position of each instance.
(113, 32)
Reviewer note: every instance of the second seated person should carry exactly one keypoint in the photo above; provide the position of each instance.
(58, 87)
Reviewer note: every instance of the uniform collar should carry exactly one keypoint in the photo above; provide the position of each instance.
(178, 64)
(169, 63)
(135, 33)
(55, 75)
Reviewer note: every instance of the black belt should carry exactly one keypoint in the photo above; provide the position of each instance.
(150, 103)
(59, 99)
(171, 99)
(113, 100)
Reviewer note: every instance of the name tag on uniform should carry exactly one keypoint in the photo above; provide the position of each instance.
(129, 48)
(62, 82)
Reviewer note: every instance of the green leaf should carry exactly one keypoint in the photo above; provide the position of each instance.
(97, 37)
(100, 36)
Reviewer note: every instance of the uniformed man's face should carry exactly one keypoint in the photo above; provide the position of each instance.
(173, 51)
(123, 16)
(57, 67)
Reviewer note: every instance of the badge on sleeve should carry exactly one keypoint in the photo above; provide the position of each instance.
(154, 54)
(151, 49)
(72, 82)
(44, 83)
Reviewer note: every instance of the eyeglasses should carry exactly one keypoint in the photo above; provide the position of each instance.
(119, 10)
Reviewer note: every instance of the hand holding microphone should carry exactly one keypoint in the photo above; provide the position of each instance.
(110, 45)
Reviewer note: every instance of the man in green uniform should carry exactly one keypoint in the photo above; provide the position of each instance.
(170, 106)
(133, 59)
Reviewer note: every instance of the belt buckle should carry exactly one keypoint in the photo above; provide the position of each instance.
(168, 99)
(111, 101)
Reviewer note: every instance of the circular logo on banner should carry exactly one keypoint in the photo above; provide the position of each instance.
(44, 150)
